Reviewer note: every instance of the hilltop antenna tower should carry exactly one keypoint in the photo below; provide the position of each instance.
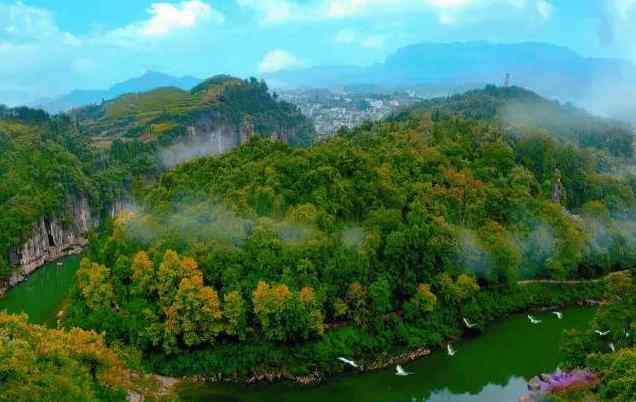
(507, 81)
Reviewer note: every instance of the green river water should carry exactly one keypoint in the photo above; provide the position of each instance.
(493, 367)
(43, 293)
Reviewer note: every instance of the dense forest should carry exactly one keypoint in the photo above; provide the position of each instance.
(163, 114)
(74, 366)
(377, 240)
(612, 355)
(278, 259)
(44, 160)
(40, 164)
(521, 112)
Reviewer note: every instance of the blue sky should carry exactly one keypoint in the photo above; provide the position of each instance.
(48, 47)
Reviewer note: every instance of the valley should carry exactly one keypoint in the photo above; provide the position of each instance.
(217, 251)
(318, 200)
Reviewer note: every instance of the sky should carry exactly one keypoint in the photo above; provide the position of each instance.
(48, 47)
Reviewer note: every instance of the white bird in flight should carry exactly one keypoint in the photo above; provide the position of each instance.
(601, 333)
(400, 371)
(451, 351)
(558, 314)
(468, 324)
(533, 320)
(349, 362)
(611, 345)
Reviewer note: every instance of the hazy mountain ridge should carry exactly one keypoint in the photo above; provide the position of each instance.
(150, 80)
(552, 71)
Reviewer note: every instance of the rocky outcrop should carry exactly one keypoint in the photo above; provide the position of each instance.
(545, 384)
(117, 206)
(52, 237)
(220, 136)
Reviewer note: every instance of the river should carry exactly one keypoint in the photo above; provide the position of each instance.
(493, 367)
(43, 293)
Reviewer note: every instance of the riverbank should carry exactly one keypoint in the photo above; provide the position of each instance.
(44, 293)
(22, 273)
(312, 362)
(493, 367)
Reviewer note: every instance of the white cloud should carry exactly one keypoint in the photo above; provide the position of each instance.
(346, 37)
(374, 41)
(272, 12)
(165, 19)
(19, 22)
(355, 8)
(276, 11)
(619, 27)
(277, 60)
(545, 9)
(33, 48)
(352, 37)
(84, 65)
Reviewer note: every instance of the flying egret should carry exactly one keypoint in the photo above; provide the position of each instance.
(468, 324)
(451, 351)
(349, 362)
(611, 345)
(533, 320)
(558, 314)
(601, 333)
(400, 371)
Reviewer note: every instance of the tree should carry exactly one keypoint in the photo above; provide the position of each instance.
(94, 282)
(144, 276)
(234, 310)
(172, 271)
(195, 316)
(284, 314)
(357, 301)
(40, 364)
(422, 302)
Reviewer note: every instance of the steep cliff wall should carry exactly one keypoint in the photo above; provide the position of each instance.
(52, 237)
(219, 135)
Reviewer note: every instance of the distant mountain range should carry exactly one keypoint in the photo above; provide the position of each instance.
(146, 82)
(601, 84)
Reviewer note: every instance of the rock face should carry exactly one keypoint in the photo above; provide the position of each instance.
(52, 237)
(222, 136)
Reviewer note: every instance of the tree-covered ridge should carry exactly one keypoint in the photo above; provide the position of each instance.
(608, 346)
(524, 112)
(40, 364)
(166, 112)
(41, 164)
(398, 228)
(45, 161)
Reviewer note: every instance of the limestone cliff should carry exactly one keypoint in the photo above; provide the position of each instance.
(52, 237)
(219, 136)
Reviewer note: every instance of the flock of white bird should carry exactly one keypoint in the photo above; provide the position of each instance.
(399, 371)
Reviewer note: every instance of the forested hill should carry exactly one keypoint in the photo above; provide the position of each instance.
(221, 102)
(41, 162)
(396, 229)
(101, 153)
(524, 112)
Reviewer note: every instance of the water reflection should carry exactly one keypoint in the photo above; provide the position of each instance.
(42, 294)
(493, 367)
